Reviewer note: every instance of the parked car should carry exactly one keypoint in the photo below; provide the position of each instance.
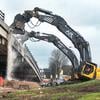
(58, 82)
(45, 83)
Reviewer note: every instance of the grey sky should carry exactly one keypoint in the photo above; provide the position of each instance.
(82, 15)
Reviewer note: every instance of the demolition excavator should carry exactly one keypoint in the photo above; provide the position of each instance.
(86, 69)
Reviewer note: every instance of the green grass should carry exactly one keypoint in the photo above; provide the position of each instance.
(83, 84)
(66, 96)
(58, 95)
(91, 96)
(72, 87)
(73, 91)
(81, 91)
(21, 93)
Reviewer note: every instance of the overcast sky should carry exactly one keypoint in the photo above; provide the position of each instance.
(82, 15)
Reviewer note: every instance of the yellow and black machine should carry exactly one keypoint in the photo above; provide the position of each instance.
(86, 68)
(88, 71)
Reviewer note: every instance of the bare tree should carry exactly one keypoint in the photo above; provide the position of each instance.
(57, 60)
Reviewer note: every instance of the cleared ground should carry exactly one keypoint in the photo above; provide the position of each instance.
(81, 91)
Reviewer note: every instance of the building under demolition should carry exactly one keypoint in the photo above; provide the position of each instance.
(16, 60)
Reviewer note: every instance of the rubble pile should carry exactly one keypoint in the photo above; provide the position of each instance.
(15, 84)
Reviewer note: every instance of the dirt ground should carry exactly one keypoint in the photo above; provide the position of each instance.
(13, 85)
(22, 90)
(20, 84)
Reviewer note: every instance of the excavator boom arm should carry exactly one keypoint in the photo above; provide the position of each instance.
(61, 24)
(57, 42)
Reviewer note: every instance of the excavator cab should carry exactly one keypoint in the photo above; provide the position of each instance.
(88, 70)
